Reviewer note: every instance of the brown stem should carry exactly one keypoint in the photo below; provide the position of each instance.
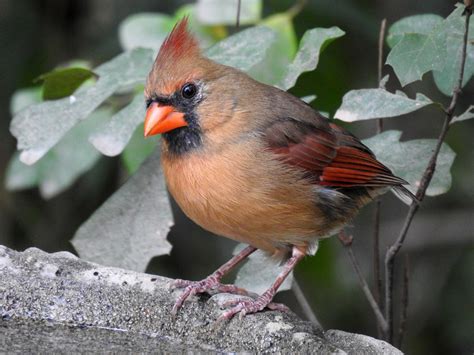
(424, 183)
(347, 243)
(237, 20)
(303, 302)
(376, 239)
(404, 308)
(376, 255)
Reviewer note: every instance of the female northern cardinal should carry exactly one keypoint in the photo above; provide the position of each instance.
(253, 163)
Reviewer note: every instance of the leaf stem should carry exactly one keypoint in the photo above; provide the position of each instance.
(424, 183)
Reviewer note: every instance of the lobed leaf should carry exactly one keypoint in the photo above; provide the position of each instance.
(277, 58)
(314, 41)
(416, 53)
(137, 150)
(367, 104)
(23, 98)
(409, 160)
(63, 164)
(114, 135)
(421, 24)
(446, 77)
(39, 127)
(427, 42)
(131, 226)
(244, 50)
(282, 23)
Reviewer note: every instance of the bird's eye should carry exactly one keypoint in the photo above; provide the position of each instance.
(188, 90)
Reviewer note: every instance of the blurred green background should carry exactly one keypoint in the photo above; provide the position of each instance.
(37, 35)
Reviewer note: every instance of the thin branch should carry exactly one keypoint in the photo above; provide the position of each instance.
(346, 241)
(376, 239)
(237, 20)
(305, 306)
(376, 261)
(404, 308)
(383, 26)
(424, 183)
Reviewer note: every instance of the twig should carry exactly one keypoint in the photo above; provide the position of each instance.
(376, 260)
(404, 309)
(237, 20)
(420, 194)
(307, 310)
(383, 26)
(376, 240)
(346, 241)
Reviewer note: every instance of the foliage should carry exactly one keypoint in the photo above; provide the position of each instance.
(61, 139)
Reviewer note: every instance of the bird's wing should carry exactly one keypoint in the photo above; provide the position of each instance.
(330, 155)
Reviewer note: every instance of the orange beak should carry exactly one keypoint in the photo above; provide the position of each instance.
(162, 119)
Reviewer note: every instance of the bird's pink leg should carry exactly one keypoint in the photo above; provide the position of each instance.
(252, 306)
(212, 282)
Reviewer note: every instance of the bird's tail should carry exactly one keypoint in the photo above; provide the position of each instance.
(404, 194)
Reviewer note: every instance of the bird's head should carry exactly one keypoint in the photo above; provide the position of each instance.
(187, 94)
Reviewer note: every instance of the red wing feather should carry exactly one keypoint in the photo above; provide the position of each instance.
(332, 156)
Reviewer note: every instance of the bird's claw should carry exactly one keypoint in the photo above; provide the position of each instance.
(248, 306)
(210, 285)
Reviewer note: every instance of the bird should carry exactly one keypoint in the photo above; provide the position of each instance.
(253, 163)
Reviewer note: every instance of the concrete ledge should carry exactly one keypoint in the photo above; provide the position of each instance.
(108, 306)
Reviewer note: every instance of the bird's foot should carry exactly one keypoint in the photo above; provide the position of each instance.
(210, 284)
(247, 305)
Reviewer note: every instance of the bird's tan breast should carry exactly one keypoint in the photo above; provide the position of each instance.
(242, 194)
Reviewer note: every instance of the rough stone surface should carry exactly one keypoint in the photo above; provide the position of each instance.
(60, 303)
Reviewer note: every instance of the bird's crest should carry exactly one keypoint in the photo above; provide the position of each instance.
(180, 42)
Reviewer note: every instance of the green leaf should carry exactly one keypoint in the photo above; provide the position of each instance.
(39, 127)
(247, 50)
(409, 160)
(113, 136)
(259, 272)
(137, 150)
(415, 54)
(63, 82)
(367, 104)
(421, 24)
(63, 164)
(19, 176)
(24, 98)
(283, 25)
(218, 12)
(146, 30)
(447, 76)
(280, 54)
(468, 114)
(131, 226)
(314, 41)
